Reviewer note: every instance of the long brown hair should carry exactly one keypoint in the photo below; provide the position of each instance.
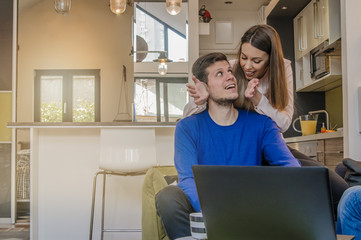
(265, 38)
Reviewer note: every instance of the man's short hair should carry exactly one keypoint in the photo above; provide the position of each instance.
(200, 66)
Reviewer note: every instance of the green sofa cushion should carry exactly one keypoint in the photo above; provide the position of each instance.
(154, 181)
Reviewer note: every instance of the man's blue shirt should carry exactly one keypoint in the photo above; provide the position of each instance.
(200, 141)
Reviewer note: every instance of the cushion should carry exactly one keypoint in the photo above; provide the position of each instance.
(353, 173)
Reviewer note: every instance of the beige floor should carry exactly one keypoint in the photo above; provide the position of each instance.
(14, 232)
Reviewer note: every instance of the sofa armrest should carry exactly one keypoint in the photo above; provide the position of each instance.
(154, 181)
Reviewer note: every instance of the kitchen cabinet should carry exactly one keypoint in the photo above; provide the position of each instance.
(317, 24)
(326, 148)
(304, 82)
(310, 27)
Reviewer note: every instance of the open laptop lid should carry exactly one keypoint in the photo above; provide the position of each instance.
(258, 203)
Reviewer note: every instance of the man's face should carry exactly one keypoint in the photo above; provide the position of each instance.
(222, 84)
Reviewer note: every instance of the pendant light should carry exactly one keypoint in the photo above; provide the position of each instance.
(118, 6)
(162, 66)
(62, 6)
(173, 6)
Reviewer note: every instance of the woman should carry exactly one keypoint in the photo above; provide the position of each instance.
(265, 78)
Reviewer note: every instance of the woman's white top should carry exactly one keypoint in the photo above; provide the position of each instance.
(283, 118)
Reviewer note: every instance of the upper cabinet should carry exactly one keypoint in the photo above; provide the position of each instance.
(317, 27)
(311, 27)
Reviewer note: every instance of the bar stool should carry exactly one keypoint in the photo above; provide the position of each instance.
(123, 152)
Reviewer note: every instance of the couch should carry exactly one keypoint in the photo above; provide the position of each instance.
(159, 177)
(156, 179)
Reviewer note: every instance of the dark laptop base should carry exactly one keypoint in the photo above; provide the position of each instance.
(258, 203)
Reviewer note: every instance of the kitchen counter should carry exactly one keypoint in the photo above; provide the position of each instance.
(318, 136)
(64, 159)
(89, 124)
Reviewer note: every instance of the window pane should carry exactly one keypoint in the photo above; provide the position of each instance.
(83, 98)
(145, 100)
(177, 99)
(176, 46)
(51, 92)
(152, 32)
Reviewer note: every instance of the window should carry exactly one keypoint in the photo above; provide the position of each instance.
(67, 95)
(159, 99)
(159, 35)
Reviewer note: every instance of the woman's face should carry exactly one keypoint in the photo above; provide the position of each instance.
(253, 61)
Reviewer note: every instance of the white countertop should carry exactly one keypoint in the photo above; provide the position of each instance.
(90, 124)
(318, 136)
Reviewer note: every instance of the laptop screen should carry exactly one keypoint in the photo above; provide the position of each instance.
(254, 203)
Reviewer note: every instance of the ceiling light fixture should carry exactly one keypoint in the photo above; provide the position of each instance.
(119, 6)
(162, 66)
(173, 6)
(62, 6)
(162, 59)
(284, 8)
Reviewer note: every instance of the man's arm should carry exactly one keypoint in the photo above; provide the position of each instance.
(274, 147)
(185, 155)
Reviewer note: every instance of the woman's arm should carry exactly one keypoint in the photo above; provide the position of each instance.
(283, 118)
(192, 108)
(199, 96)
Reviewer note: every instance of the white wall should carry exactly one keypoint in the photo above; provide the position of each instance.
(90, 37)
(351, 62)
(241, 21)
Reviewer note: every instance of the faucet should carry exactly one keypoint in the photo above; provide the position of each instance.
(327, 117)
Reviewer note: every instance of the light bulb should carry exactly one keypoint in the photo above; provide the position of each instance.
(174, 6)
(118, 6)
(62, 6)
(162, 68)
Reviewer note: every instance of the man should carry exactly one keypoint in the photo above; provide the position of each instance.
(221, 135)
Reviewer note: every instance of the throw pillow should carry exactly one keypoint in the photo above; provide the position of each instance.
(353, 173)
(171, 180)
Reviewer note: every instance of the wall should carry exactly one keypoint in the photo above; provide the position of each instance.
(5, 44)
(90, 37)
(5, 116)
(6, 38)
(241, 21)
(351, 62)
(333, 101)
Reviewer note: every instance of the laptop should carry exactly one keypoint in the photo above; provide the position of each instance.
(258, 203)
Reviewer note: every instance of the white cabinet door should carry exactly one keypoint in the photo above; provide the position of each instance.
(311, 27)
(300, 36)
(322, 29)
(311, 14)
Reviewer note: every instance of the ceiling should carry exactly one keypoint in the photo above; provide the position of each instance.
(293, 6)
(237, 5)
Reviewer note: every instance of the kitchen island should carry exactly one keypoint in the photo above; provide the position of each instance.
(64, 159)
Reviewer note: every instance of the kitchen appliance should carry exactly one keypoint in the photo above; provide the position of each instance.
(324, 57)
(319, 63)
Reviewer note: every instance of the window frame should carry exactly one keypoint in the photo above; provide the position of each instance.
(166, 26)
(165, 81)
(67, 75)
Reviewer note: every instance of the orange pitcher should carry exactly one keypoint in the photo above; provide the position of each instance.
(308, 124)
